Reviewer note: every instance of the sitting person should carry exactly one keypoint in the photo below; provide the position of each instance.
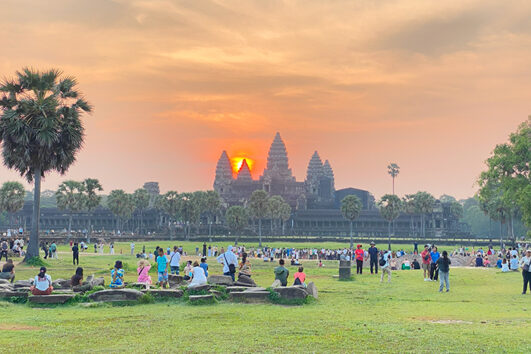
(76, 282)
(117, 276)
(245, 267)
(8, 271)
(406, 265)
(499, 262)
(42, 284)
(479, 260)
(300, 277)
(198, 276)
(281, 273)
(487, 262)
(504, 266)
(416, 264)
(142, 271)
(514, 263)
(188, 271)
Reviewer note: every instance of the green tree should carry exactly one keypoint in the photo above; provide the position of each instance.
(258, 207)
(71, 197)
(408, 204)
(275, 210)
(423, 204)
(141, 198)
(456, 209)
(189, 210)
(237, 219)
(122, 205)
(390, 207)
(351, 207)
(92, 200)
(169, 203)
(212, 207)
(40, 130)
(393, 169)
(285, 214)
(12, 196)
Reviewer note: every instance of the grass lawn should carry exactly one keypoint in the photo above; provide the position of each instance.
(483, 312)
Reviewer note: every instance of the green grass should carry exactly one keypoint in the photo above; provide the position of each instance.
(483, 312)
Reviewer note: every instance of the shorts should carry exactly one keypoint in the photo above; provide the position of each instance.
(425, 266)
(174, 270)
(163, 276)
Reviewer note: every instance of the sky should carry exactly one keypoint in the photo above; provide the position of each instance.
(431, 86)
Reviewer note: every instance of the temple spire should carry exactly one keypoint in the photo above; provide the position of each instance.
(277, 161)
(244, 173)
(315, 167)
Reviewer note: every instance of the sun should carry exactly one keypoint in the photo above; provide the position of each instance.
(238, 161)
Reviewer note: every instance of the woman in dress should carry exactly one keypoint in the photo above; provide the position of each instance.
(142, 271)
(117, 276)
(198, 276)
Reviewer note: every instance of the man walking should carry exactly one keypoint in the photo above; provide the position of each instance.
(373, 258)
(132, 248)
(434, 271)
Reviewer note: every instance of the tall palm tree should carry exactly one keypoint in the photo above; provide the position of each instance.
(393, 169)
(12, 196)
(70, 196)
(351, 207)
(212, 206)
(274, 207)
(92, 200)
(408, 202)
(258, 208)
(169, 203)
(188, 211)
(237, 219)
(424, 203)
(141, 198)
(122, 205)
(390, 207)
(285, 214)
(40, 130)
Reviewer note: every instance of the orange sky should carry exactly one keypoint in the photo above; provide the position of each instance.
(432, 86)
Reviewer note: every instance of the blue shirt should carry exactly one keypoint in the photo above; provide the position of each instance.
(162, 262)
(434, 256)
(373, 252)
(205, 268)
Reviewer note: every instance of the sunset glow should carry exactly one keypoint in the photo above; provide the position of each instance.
(237, 162)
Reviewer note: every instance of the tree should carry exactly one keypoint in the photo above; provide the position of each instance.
(456, 209)
(70, 196)
(390, 207)
(393, 169)
(274, 209)
(12, 196)
(445, 198)
(285, 214)
(40, 130)
(351, 208)
(259, 209)
(189, 205)
(408, 205)
(212, 206)
(122, 205)
(237, 219)
(141, 198)
(92, 200)
(169, 203)
(423, 204)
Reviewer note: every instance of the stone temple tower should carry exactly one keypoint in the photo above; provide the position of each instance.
(244, 173)
(277, 162)
(223, 181)
(329, 173)
(314, 174)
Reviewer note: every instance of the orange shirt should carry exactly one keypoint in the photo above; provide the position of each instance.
(300, 275)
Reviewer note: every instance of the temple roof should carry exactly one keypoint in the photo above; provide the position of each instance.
(224, 168)
(277, 160)
(327, 170)
(315, 167)
(244, 173)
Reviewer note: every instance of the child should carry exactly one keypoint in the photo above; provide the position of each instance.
(188, 271)
(117, 276)
(505, 266)
(162, 268)
(204, 265)
(142, 271)
(300, 277)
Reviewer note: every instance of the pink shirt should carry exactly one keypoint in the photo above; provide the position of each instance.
(300, 275)
(143, 276)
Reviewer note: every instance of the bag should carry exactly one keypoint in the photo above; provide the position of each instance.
(426, 257)
(382, 261)
(525, 267)
(232, 267)
(297, 282)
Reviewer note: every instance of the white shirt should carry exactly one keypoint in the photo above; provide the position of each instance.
(387, 258)
(525, 260)
(227, 258)
(505, 267)
(514, 263)
(175, 259)
(198, 276)
(43, 284)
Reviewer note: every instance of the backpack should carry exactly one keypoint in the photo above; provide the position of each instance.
(382, 260)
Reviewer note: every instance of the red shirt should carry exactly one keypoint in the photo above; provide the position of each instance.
(423, 255)
(359, 254)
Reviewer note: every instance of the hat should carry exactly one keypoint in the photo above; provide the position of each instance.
(372, 243)
(359, 246)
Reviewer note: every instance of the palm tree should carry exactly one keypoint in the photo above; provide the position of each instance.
(393, 169)
(188, 210)
(390, 207)
(40, 130)
(237, 219)
(12, 196)
(351, 207)
(169, 203)
(92, 200)
(285, 214)
(141, 198)
(408, 202)
(424, 203)
(274, 207)
(258, 207)
(70, 196)
(212, 206)
(122, 205)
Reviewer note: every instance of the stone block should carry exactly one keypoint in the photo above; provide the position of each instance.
(50, 299)
(22, 284)
(194, 298)
(4, 281)
(253, 297)
(97, 282)
(7, 293)
(291, 292)
(62, 284)
(312, 289)
(244, 280)
(116, 295)
(205, 287)
(220, 280)
(233, 289)
(175, 293)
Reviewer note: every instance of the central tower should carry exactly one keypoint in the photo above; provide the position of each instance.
(277, 162)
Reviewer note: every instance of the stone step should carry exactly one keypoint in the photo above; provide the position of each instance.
(13, 294)
(175, 293)
(50, 299)
(252, 297)
(116, 295)
(291, 292)
(232, 289)
(205, 287)
(194, 298)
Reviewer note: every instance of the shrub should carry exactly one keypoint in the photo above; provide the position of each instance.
(36, 262)
(146, 299)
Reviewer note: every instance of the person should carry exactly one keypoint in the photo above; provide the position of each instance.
(175, 261)
(434, 272)
(229, 261)
(76, 282)
(359, 253)
(443, 266)
(143, 272)
(525, 263)
(95, 247)
(8, 271)
(75, 254)
(111, 248)
(42, 284)
(281, 273)
(188, 271)
(117, 276)
(514, 265)
(415, 248)
(406, 265)
(426, 261)
(479, 260)
(499, 262)
(204, 265)
(386, 267)
(4, 250)
(44, 249)
(53, 250)
(504, 266)
(245, 267)
(132, 248)
(198, 276)
(373, 258)
(415, 264)
(162, 268)
(300, 277)
(204, 250)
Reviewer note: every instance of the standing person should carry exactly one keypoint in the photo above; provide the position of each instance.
(204, 265)
(525, 263)
(44, 249)
(132, 248)
(143, 249)
(175, 261)
(426, 261)
(95, 248)
(385, 262)
(210, 250)
(415, 248)
(42, 284)
(111, 248)
(75, 254)
(4, 250)
(359, 253)
(373, 258)
(53, 250)
(443, 265)
(434, 271)
(229, 261)
(162, 268)
(204, 250)
(281, 273)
